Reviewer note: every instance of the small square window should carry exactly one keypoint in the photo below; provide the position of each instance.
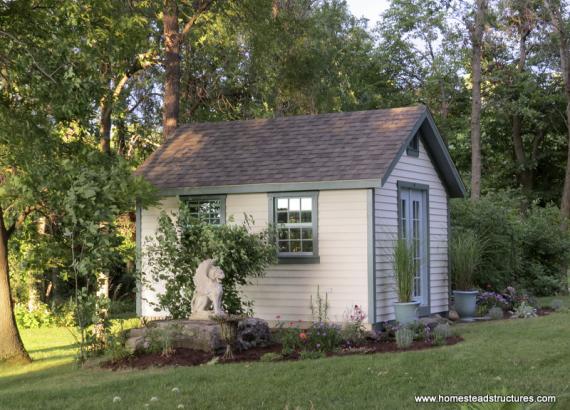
(210, 210)
(295, 218)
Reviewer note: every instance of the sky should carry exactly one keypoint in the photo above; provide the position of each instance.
(370, 9)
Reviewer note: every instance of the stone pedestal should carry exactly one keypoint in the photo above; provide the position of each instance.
(202, 335)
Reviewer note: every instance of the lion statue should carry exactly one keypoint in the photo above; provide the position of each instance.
(208, 291)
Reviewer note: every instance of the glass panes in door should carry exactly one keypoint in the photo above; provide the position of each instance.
(413, 228)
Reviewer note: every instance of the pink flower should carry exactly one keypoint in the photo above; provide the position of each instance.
(303, 336)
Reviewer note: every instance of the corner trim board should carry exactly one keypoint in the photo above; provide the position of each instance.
(371, 237)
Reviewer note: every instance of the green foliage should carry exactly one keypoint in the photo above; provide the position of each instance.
(545, 251)
(524, 311)
(353, 330)
(524, 248)
(404, 270)
(41, 316)
(322, 336)
(557, 304)
(404, 337)
(496, 313)
(465, 256)
(290, 340)
(493, 221)
(271, 357)
(181, 243)
(440, 334)
(311, 355)
(319, 307)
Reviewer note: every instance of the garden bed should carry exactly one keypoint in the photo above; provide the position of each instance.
(190, 357)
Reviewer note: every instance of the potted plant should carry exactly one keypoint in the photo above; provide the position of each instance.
(406, 309)
(465, 256)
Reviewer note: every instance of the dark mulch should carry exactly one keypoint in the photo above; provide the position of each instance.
(190, 357)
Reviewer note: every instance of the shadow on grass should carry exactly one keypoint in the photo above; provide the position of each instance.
(54, 348)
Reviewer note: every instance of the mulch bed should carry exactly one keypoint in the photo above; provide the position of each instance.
(190, 357)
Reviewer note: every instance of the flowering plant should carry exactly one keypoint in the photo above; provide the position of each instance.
(353, 330)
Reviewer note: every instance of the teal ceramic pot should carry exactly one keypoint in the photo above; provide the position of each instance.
(465, 303)
(406, 312)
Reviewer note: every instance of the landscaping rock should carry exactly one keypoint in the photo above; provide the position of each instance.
(453, 315)
(204, 335)
(253, 332)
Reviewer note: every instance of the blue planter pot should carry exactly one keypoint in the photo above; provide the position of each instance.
(406, 312)
(465, 303)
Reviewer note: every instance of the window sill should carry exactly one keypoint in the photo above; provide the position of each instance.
(298, 260)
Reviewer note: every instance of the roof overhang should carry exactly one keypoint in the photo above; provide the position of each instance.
(272, 187)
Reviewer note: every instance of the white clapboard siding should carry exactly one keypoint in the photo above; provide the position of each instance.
(149, 225)
(286, 290)
(417, 170)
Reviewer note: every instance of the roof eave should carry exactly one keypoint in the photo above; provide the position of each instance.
(271, 187)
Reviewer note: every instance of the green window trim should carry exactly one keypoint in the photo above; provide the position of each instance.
(209, 198)
(413, 148)
(308, 227)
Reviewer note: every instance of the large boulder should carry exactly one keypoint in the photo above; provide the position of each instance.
(202, 335)
(253, 332)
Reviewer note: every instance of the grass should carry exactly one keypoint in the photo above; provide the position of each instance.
(526, 356)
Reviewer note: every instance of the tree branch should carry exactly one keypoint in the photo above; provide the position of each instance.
(203, 7)
(21, 219)
(25, 46)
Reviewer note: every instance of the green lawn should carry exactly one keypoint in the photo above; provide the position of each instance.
(529, 356)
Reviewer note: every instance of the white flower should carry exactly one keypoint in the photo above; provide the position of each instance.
(116, 399)
(154, 398)
(175, 390)
(180, 406)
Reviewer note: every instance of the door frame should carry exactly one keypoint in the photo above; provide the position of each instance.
(424, 309)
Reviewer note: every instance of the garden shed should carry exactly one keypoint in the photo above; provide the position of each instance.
(339, 187)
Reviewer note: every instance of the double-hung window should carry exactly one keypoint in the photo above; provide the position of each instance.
(208, 209)
(294, 216)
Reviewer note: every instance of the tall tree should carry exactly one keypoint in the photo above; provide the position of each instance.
(476, 32)
(173, 40)
(556, 11)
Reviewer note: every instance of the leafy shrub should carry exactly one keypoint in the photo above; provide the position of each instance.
(496, 313)
(271, 357)
(322, 336)
(37, 318)
(404, 337)
(523, 311)
(490, 300)
(440, 334)
(524, 248)
(290, 340)
(116, 342)
(494, 221)
(545, 251)
(182, 242)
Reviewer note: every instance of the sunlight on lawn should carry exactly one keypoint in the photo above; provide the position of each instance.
(525, 356)
(48, 348)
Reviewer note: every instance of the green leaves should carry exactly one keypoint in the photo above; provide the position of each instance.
(181, 243)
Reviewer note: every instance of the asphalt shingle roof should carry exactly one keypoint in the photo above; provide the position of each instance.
(310, 148)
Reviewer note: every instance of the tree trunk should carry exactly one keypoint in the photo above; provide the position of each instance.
(524, 173)
(105, 125)
(556, 15)
(172, 68)
(477, 52)
(11, 346)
